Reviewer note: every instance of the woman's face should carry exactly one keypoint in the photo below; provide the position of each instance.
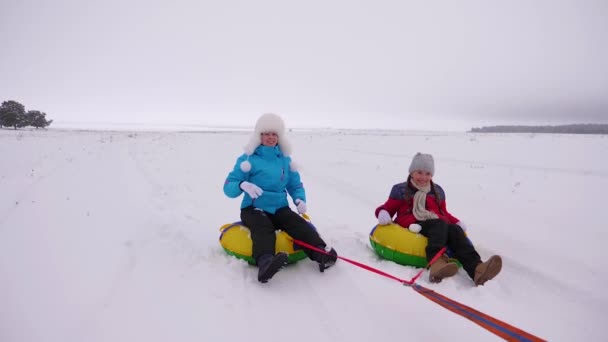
(270, 139)
(422, 178)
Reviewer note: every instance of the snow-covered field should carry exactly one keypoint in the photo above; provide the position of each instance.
(113, 236)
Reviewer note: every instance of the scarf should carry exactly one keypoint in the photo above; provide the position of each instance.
(419, 206)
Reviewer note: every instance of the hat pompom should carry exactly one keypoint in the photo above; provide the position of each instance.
(415, 228)
(245, 166)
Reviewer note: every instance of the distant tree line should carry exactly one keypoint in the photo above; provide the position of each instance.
(568, 129)
(13, 114)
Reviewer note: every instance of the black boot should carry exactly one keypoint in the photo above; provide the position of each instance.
(269, 265)
(326, 260)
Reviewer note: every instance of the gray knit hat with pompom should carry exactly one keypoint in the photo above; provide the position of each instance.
(422, 162)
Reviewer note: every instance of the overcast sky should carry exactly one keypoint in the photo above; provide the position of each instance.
(401, 64)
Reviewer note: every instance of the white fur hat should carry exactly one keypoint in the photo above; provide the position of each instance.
(422, 162)
(268, 122)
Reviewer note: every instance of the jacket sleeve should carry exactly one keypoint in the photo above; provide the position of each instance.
(295, 188)
(394, 201)
(235, 177)
(398, 204)
(391, 206)
(405, 217)
(443, 210)
(453, 219)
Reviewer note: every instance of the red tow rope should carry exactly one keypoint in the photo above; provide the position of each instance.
(375, 270)
(493, 325)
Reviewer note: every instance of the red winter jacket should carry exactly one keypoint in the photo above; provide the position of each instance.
(401, 201)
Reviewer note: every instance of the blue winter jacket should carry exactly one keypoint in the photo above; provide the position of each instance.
(270, 171)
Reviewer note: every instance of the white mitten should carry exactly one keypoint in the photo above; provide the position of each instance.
(384, 217)
(301, 205)
(462, 225)
(415, 228)
(251, 189)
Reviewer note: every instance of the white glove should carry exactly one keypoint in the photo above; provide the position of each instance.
(251, 189)
(462, 225)
(301, 206)
(384, 217)
(415, 228)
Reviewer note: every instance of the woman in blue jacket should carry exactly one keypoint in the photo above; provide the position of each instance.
(266, 174)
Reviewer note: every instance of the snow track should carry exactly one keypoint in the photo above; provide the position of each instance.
(113, 236)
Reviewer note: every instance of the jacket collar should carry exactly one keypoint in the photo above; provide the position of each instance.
(268, 151)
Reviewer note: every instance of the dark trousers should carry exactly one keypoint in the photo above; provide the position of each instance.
(440, 234)
(262, 226)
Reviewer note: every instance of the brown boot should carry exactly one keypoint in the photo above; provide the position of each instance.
(487, 270)
(442, 268)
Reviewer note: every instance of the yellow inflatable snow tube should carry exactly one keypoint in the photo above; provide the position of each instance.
(398, 244)
(235, 238)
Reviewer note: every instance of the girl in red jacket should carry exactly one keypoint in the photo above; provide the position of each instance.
(419, 204)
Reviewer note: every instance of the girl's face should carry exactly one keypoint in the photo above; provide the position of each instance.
(422, 178)
(270, 139)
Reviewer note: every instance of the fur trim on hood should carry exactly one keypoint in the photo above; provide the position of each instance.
(268, 122)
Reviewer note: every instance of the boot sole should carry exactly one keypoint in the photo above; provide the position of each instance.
(278, 262)
(494, 267)
(449, 270)
(328, 261)
(325, 265)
